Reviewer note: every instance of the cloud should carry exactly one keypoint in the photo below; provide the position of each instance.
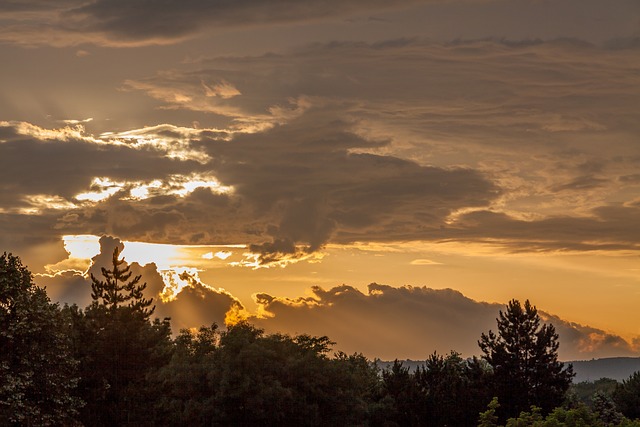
(412, 322)
(529, 114)
(147, 22)
(198, 304)
(423, 261)
(607, 228)
(298, 184)
(191, 305)
(407, 322)
(526, 145)
(66, 287)
(304, 176)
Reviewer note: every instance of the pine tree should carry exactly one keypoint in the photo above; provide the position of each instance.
(524, 357)
(118, 291)
(119, 348)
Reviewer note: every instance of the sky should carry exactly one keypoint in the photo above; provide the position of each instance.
(388, 174)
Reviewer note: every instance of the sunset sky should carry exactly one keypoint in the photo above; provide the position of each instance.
(389, 174)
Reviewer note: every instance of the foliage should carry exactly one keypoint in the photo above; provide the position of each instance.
(401, 401)
(606, 409)
(37, 372)
(449, 380)
(118, 351)
(118, 291)
(580, 416)
(119, 348)
(585, 390)
(524, 358)
(244, 377)
(489, 418)
(627, 396)
(432, 394)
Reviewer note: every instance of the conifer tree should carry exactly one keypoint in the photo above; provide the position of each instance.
(119, 347)
(524, 358)
(118, 291)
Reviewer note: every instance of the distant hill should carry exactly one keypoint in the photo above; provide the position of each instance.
(617, 368)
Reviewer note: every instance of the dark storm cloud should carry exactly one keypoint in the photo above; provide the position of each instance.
(295, 184)
(147, 19)
(44, 171)
(55, 162)
(146, 22)
(551, 121)
(35, 5)
(304, 174)
(143, 22)
(584, 182)
(414, 322)
(342, 142)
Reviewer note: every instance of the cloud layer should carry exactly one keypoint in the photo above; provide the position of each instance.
(413, 322)
(530, 146)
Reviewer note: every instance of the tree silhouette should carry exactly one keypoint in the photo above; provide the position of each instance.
(117, 290)
(627, 396)
(118, 347)
(37, 371)
(524, 357)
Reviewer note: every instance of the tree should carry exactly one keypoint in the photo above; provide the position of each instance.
(403, 402)
(606, 409)
(584, 391)
(117, 290)
(37, 372)
(489, 418)
(119, 347)
(524, 358)
(118, 352)
(245, 377)
(627, 396)
(449, 380)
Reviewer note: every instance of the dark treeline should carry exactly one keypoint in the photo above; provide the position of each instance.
(109, 364)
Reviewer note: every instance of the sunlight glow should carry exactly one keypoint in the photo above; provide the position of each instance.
(81, 245)
(40, 202)
(175, 280)
(73, 132)
(177, 146)
(252, 260)
(103, 188)
(176, 185)
(163, 255)
(187, 184)
(222, 255)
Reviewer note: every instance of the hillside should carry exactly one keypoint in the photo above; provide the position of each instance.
(617, 368)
